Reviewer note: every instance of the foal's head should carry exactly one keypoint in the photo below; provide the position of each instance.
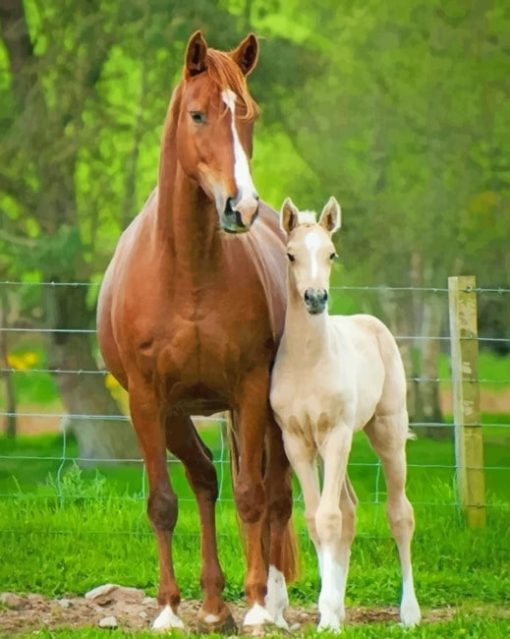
(310, 252)
(214, 115)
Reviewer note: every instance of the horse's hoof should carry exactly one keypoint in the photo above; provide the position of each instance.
(167, 621)
(223, 623)
(258, 622)
(410, 614)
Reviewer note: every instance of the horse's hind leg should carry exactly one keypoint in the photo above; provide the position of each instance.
(184, 442)
(282, 545)
(388, 435)
(162, 503)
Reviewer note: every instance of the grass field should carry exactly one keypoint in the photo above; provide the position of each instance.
(65, 530)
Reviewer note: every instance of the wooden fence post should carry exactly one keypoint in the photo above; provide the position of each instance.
(466, 398)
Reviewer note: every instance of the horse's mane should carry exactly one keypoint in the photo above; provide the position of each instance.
(224, 71)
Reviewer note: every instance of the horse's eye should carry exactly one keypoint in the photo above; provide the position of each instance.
(333, 256)
(291, 257)
(198, 117)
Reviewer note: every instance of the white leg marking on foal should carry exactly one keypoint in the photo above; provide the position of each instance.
(410, 614)
(277, 598)
(241, 166)
(331, 605)
(211, 618)
(257, 616)
(167, 619)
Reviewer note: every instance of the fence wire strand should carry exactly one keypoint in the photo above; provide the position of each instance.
(67, 458)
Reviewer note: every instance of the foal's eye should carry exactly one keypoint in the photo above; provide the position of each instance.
(198, 117)
(333, 256)
(291, 257)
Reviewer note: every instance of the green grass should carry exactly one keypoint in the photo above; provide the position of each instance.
(465, 625)
(68, 531)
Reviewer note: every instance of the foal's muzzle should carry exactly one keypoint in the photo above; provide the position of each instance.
(316, 300)
(239, 216)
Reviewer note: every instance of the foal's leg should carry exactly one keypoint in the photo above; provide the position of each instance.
(348, 503)
(162, 503)
(183, 441)
(388, 437)
(328, 520)
(279, 495)
(250, 495)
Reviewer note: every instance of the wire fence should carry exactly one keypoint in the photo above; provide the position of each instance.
(438, 458)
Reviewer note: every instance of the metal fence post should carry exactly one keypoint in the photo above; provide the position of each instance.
(466, 398)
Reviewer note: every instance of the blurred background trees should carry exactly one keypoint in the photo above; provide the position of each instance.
(399, 109)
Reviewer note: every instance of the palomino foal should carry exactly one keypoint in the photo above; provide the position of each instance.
(334, 376)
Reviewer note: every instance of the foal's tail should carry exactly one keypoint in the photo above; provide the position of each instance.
(290, 544)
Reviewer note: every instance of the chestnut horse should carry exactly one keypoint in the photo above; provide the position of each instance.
(190, 315)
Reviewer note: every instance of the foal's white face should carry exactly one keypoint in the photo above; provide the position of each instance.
(310, 252)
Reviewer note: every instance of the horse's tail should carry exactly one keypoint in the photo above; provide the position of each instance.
(290, 544)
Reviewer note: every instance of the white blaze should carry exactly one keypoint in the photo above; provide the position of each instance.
(245, 187)
(313, 243)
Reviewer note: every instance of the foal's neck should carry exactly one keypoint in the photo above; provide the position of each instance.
(306, 336)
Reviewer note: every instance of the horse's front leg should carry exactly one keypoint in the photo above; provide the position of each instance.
(184, 442)
(162, 504)
(250, 495)
(329, 526)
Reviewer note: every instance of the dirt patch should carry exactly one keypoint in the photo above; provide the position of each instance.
(130, 609)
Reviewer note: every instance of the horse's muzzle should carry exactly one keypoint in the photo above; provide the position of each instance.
(238, 217)
(316, 300)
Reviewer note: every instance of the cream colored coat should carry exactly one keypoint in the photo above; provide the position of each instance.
(334, 376)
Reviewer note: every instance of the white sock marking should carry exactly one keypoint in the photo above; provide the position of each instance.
(257, 616)
(211, 618)
(277, 598)
(242, 173)
(167, 619)
(331, 605)
(410, 614)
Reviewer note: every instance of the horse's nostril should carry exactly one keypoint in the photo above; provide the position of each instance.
(308, 295)
(239, 219)
(324, 295)
(229, 207)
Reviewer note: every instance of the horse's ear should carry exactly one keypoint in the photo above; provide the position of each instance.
(289, 216)
(196, 55)
(331, 216)
(247, 54)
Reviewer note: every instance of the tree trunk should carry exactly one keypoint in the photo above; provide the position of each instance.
(428, 400)
(398, 311)
(86, 395)
(10, 394)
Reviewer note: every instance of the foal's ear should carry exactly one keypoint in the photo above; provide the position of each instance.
(247, 54)
(331, 216)
(196, 55)
(289, 216)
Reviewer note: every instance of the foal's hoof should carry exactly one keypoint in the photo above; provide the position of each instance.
(410, 614)
(222, 623)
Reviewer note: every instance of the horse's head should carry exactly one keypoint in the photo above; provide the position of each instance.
(215, 128)
(310, 251)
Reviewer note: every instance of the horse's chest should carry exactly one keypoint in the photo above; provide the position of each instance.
(307, 410)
